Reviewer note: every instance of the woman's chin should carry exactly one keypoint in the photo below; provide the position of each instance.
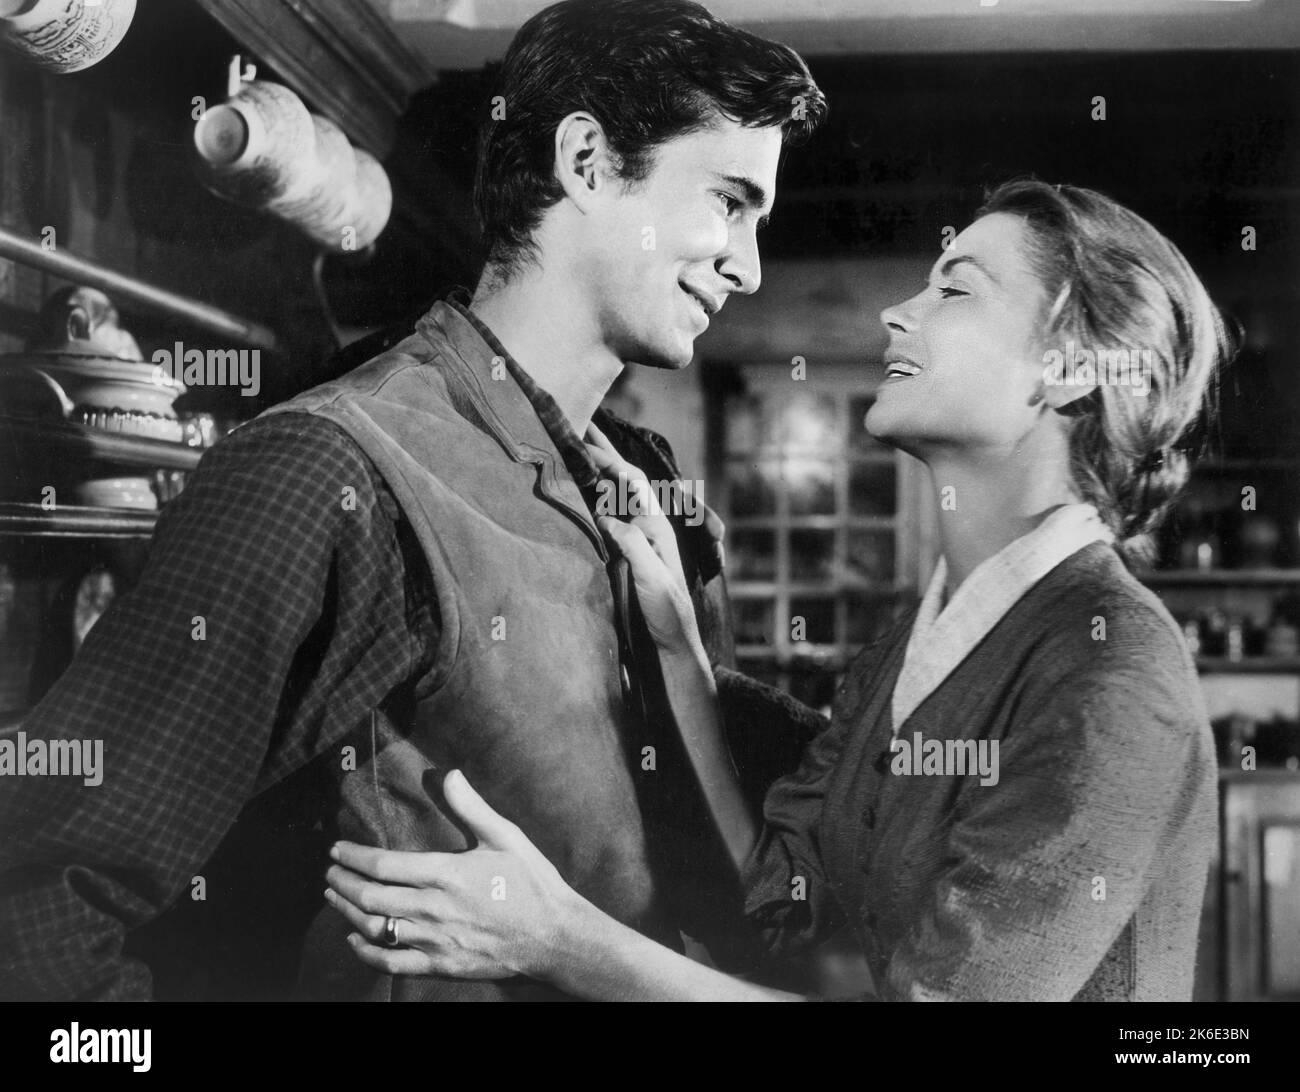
(885, 427)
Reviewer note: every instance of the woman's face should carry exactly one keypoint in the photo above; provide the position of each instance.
(965, 358)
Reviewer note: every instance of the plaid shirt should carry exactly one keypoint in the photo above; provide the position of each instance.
(270, 619)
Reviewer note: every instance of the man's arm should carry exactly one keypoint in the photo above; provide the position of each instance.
(270, 618)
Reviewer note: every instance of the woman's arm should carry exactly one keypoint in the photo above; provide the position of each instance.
(693, 698)
(649, 544)
(502, 909)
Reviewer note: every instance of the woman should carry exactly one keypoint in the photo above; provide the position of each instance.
(1016, 797)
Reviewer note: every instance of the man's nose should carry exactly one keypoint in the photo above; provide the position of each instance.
(741, 264)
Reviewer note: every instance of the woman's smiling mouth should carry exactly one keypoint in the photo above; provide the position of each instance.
(901, 367)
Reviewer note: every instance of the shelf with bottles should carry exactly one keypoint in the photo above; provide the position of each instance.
(1261, 637)
(1238, 523)
(1274, 744)
(1263, 577)
(1248, 665)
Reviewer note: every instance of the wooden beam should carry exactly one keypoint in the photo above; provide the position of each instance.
(341, 56)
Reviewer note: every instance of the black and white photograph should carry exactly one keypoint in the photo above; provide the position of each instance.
(645, 500)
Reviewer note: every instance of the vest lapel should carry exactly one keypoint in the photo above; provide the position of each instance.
(507, 412)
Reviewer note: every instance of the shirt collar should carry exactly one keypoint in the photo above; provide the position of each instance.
(566, 439)
(942, 637)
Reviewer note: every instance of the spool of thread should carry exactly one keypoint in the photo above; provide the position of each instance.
(372, 200)
(263, 149)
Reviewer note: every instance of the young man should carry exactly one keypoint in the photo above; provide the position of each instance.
(399, 571)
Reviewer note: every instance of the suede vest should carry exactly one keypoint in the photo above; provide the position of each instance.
(528, 692)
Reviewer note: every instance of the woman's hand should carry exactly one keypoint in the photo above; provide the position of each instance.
(650, 545)
(491, 912)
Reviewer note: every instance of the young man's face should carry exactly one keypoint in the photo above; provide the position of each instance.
(667, 252)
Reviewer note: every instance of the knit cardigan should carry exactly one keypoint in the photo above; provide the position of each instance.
(1077, 871)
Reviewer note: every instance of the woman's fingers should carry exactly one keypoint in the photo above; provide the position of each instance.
(491, 828)
(607, 458)
(631, 542)
(380, 899)
(394, 960)
(371, 926)
(391, 865)
(412, 932)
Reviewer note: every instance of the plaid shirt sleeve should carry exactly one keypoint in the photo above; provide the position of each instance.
(274, 613)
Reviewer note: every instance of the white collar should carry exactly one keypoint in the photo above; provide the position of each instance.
(941, 640)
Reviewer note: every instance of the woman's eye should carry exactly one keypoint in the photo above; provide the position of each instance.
(948, 293)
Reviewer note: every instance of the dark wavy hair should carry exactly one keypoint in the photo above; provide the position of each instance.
(1116, 283)
(648, 71)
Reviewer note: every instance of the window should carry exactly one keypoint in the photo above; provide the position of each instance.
(824, 524)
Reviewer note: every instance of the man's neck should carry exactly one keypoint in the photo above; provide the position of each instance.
(540, 320)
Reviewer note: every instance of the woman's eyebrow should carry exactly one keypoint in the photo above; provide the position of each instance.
(966, 259)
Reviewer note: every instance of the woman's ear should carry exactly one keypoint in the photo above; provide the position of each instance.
(1063, 381)
(582, 158)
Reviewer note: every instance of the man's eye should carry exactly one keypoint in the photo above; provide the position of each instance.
(948, 293)
(732, 203)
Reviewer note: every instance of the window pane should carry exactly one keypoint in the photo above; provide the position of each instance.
(754, 621)
(744, 423)
(808, 423)
(751, 555)
(812, 555)
(752, 488)
(871, 556)
(818, 620)
(872, 489)
(810, 485)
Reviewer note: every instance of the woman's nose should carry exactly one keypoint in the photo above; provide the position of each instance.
(898, 317)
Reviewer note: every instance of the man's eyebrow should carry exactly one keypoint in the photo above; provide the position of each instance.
(755, 195)
(950, 264)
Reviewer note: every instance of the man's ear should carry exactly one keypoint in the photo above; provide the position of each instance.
(582, 158)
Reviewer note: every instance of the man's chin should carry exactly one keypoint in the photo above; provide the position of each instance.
(669, 361)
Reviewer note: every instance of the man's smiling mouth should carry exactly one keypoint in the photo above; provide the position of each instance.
(705, 303)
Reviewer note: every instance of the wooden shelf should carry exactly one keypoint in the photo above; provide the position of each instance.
(93, 443)
(1249, 665)
(1220, 578)
(69, 521)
